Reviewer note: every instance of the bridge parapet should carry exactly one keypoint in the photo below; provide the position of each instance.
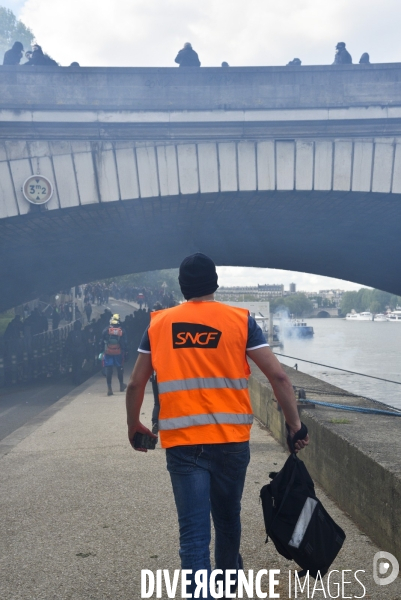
(200, 89)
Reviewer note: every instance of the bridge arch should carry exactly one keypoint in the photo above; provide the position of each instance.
(91, 173)
(310, 205)
(298, 169)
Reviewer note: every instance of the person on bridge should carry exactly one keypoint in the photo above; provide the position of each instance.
(365, 59)
(295, 62)
(342, 56)
(115, 348)
(14, 55)
(199, 352)
(38, 58)
(187, 57)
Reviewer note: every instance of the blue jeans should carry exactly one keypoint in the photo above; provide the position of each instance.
(206, 479)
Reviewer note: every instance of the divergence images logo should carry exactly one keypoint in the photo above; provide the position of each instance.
(193, 335)
(381, 568)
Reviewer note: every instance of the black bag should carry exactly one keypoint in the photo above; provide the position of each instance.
(296, 520)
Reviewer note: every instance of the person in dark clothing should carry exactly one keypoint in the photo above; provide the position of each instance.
(44, 323)
(295, 62)
(75, 347)
(365, 59)
(88, 310)
(187, 57)
(34, 321)
(14, 329)
(115, 348)
(56, 317)
(14, 55)
(38, 58)
(342, 57)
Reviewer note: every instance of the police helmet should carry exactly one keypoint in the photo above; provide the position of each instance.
(115, 320)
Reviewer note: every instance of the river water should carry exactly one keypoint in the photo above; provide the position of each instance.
(368, 347)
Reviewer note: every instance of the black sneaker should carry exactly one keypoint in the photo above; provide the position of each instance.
(123, 386)
(110, 392)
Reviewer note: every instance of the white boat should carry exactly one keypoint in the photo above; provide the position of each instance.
(380, 317)
(363, 316)
(295, 328)
(394, 316)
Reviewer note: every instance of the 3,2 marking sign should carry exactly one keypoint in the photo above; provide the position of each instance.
(37, 189)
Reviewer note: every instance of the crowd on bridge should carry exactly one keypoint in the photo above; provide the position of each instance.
(186, 57)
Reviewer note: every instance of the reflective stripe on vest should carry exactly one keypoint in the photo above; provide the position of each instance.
(197, 383)
(205, 419)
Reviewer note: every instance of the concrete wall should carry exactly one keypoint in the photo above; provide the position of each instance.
(203, 89)
(368, 491)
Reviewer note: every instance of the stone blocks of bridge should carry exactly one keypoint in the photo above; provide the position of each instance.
(96, 172)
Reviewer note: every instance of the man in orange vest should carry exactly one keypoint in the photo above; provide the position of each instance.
(198, 350)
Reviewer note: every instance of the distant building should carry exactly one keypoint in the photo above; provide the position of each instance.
(274, 290)
(293, 288)
(259, 292)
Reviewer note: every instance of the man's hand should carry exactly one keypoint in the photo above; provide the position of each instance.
(139, 429)
(300, 442)
(134, 397)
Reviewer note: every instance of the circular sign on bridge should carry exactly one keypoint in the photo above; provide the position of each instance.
(37, 189)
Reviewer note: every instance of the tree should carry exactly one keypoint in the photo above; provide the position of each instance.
(349, 302)
(12, 30)
(151, 279)
(364, 299)
(298, 305)
(375, 307)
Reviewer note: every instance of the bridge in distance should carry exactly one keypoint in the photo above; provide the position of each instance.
(284, 167)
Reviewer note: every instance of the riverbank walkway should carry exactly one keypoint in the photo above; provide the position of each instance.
(82, 513)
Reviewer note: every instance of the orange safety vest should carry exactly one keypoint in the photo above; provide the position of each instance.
(113, 346)
(199, 355)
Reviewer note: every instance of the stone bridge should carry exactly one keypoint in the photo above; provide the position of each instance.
(324, 313)
(291, 168)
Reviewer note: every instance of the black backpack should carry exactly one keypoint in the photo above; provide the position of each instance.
(296, 521)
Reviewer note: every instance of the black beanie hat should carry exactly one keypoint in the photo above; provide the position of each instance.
(197, 276)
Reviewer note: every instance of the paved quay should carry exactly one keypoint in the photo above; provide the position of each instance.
(82, 513)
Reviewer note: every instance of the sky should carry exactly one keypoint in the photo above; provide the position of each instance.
(241, 32)
(305, 282)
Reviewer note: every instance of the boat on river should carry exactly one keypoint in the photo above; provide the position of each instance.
(363, 316)
(394, 316)
(382, 318)
(295, 328)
